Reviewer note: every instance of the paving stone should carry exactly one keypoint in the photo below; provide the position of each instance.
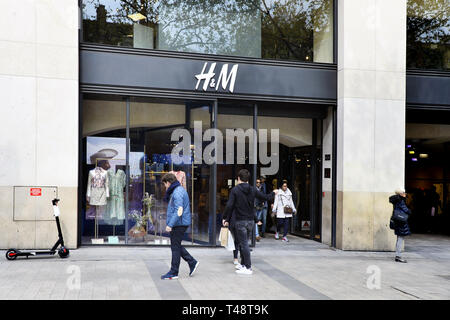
(301, 269)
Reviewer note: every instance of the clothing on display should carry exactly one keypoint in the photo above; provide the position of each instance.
(98, 187)
(181, 177)
(95, 212)
(115, 207)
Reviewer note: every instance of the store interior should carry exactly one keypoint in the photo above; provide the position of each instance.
(136, 214)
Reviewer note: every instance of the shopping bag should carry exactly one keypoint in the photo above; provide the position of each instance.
(230, 242)
(223, 236)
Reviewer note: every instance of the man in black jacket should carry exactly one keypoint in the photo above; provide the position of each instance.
(240, 209)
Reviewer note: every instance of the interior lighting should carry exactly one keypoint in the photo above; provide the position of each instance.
(414, 159)
(136, 16)
(423, 155)
(411, 152)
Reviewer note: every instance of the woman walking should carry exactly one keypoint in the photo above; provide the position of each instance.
(401, 228)
(283, 207)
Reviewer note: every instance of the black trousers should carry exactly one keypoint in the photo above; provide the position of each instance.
(283, 222)
(176, 236)
(236, 244)
(244, 229)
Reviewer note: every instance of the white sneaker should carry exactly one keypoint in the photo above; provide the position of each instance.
(239, 266)
(244, 270)
(285, 239)
(276, 236)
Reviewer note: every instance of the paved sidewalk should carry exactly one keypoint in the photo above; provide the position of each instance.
(300, 269)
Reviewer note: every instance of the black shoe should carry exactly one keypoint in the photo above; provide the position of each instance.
(399, 259)
(193, 268)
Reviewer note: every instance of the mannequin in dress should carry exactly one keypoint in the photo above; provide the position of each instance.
(115, 207)
(98, 188)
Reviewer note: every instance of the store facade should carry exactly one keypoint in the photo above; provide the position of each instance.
(106, 83)
(133, 97)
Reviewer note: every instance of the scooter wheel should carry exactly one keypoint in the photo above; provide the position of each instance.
(11, 254)
(63, 252)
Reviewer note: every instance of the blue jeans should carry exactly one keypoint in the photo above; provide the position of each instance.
(262, 216)
(178, 251)
(244, 228)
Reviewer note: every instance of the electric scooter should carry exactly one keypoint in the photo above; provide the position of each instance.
(63, 252)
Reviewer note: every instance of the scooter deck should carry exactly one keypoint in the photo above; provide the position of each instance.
(33, 253)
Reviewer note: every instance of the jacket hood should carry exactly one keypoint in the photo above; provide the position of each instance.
(244, 187)
(395, 198)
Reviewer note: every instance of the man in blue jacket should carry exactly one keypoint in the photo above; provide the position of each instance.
(178, 220)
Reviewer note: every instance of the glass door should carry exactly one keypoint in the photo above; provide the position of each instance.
(306, 192)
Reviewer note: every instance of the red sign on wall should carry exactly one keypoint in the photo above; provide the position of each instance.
(35, 192)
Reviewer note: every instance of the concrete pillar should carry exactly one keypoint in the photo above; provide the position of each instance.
(371, 120)
(327, 185)
(38, 115)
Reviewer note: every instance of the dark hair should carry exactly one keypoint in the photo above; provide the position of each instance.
(244, 175)
(283, 182)
(169, 177)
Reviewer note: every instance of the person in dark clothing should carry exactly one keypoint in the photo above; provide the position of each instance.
(401, 229)
(434, 203)
(265, 206)
(240, 208)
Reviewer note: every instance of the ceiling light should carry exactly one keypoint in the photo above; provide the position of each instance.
(423, 155)
(136, 16)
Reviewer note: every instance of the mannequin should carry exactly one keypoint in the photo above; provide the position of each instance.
(115, 207)
(181, 177)
(98, 189)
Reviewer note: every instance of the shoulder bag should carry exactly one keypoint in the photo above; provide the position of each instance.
(286, 209)
(399, 215)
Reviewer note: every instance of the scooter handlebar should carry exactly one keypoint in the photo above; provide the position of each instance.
(56, 212)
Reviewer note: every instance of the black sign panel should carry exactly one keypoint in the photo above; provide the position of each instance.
(207, 76)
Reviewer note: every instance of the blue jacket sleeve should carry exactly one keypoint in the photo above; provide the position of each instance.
(177, 199)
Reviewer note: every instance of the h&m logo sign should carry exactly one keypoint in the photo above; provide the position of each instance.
(226, 79)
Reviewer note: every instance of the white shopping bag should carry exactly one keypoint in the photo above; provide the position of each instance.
(230, 242)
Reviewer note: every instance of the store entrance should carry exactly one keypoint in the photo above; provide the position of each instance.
(427, 170)
(297, 150)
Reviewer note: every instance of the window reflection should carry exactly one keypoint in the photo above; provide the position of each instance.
(272, 29)
(428, 34)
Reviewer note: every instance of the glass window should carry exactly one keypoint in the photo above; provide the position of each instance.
(115, 214)
(104, 170)
(269, 29)
(428, 34)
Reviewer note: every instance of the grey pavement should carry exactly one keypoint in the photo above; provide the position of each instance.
(300, 269)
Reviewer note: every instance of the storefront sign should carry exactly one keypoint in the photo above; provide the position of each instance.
(35, 192)
(224, 79)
